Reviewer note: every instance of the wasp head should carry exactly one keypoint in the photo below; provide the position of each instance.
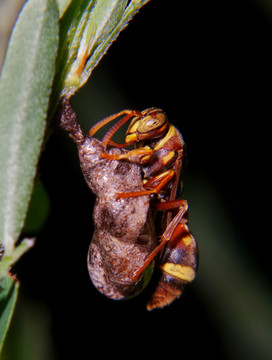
(152, 124)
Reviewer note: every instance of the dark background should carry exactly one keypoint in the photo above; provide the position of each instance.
(208, 65)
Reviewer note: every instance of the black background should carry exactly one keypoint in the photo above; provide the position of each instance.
(208, 65)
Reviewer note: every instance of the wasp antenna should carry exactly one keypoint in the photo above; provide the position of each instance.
(117, 126)
(105, 121)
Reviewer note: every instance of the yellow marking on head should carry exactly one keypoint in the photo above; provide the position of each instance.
(168, 158)
(188, 240)
(131, 138)
(185, 273)
(133, 126)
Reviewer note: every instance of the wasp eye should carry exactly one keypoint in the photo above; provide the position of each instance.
(152, 122)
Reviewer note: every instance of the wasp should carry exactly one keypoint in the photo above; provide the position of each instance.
(159, 151)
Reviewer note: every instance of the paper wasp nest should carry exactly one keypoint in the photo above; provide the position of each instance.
(124, 232)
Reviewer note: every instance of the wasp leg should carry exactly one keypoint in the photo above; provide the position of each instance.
(120, 146)
(168, 233)
(154, 185)
(138, 156)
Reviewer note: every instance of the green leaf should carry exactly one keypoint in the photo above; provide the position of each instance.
(25, 86)
(87, 30)
(100, 23)
(8, 297)
(71, 28)
(8, 260)
(118, 21)
(63, 5)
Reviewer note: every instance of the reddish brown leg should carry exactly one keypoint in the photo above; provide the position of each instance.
(120, 146)
(138, 156)
(155, 185)
(168, 233)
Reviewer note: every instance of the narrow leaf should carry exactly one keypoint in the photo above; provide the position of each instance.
(25, 85)
(99, 24)
(63, 5)
(96, 26)
(108, 38)
(8, 297)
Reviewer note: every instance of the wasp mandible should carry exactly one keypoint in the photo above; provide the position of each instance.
(159, 150)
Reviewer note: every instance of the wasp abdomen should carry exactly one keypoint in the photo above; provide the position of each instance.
(177, 266)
